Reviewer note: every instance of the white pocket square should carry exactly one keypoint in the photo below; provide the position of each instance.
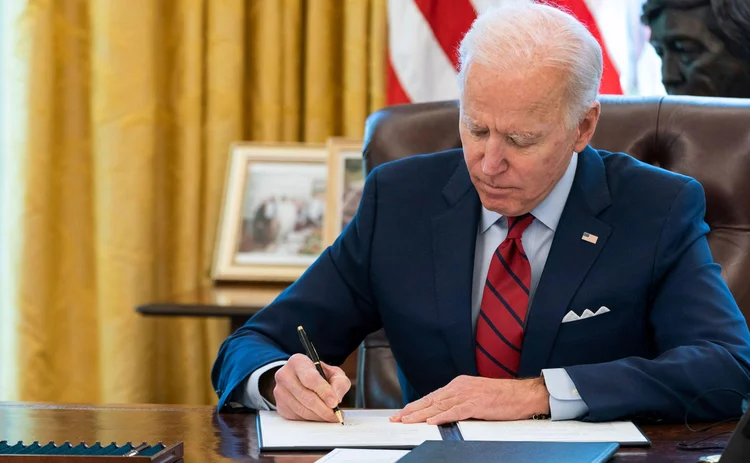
(574, 317)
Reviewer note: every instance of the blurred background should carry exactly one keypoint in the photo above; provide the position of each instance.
(116, 120)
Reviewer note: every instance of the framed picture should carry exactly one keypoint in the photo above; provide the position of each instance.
(346, 181)
(273, 214)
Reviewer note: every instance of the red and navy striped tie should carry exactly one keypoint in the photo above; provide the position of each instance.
(505, 301)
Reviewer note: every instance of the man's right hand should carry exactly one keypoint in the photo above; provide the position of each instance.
(301, 393)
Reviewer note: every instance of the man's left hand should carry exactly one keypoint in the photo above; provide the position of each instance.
(481, 398)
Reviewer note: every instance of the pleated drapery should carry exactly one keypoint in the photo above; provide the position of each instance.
(131, 107)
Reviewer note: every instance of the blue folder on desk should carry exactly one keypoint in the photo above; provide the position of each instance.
(511, 452)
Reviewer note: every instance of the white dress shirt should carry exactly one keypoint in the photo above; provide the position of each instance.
(565, 403)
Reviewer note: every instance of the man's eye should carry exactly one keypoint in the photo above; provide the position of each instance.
(479, 132)
(687, 58)
(686, 46)
(688, 50)
(522, 144)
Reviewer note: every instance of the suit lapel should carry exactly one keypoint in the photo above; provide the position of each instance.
(454, 240)
(569, 260)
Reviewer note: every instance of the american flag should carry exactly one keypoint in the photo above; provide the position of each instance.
(424, 36)
(588, 237)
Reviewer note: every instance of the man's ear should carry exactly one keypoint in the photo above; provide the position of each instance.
(587, 127)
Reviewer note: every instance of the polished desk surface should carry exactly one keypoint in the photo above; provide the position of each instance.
(212, 437)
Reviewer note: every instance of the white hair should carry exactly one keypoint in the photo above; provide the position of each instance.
(520, 34)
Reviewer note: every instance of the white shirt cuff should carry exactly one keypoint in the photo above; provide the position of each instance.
(565, 403)
(249, 394)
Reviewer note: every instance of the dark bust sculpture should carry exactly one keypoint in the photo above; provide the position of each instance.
(704, 45)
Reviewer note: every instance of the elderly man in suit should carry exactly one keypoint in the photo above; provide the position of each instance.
(524, 275)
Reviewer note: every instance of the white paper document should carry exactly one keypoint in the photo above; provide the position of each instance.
(622, 432)
(362, 429)
(363, 456)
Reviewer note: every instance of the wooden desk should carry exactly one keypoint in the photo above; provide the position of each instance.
(210, 437)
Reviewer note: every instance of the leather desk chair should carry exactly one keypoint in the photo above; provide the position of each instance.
(705, 138)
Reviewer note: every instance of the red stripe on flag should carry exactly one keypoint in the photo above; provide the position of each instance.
(449, 21)
(610, 78)
(395, 93)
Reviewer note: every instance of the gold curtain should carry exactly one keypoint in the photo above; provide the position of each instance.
(132, 105)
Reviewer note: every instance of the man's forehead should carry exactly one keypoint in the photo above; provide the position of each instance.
(472, 113)
(530, 90)
(477, 112)
(673, 23)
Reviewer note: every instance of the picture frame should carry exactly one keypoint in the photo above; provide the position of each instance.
(273, 212)
(346, 181)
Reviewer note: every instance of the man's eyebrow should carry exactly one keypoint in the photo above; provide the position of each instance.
(471, 125)
(525, 135)
(673, 37)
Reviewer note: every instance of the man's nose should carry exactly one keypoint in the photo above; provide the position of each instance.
(671, 73)
(494, 161)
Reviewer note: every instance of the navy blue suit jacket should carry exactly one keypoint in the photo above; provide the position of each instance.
(405, 263)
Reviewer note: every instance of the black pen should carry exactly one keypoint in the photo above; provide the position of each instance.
(313, 354)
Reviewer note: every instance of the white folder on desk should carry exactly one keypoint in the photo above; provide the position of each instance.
(623, 432)
(363, 456)
(363, 429)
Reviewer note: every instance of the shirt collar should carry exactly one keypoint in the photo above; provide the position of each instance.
(548, 211)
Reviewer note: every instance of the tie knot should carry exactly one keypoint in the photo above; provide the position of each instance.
(517, 225)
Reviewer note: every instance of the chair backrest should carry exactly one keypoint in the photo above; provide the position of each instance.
(705, 138)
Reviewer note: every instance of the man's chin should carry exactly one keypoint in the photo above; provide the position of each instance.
(502, 205)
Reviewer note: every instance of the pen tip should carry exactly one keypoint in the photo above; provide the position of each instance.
(299, 328)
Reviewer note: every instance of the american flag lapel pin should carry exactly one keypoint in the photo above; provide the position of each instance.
(589, 238)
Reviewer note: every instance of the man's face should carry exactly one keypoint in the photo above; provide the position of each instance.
(694, 60)
(516, 144)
